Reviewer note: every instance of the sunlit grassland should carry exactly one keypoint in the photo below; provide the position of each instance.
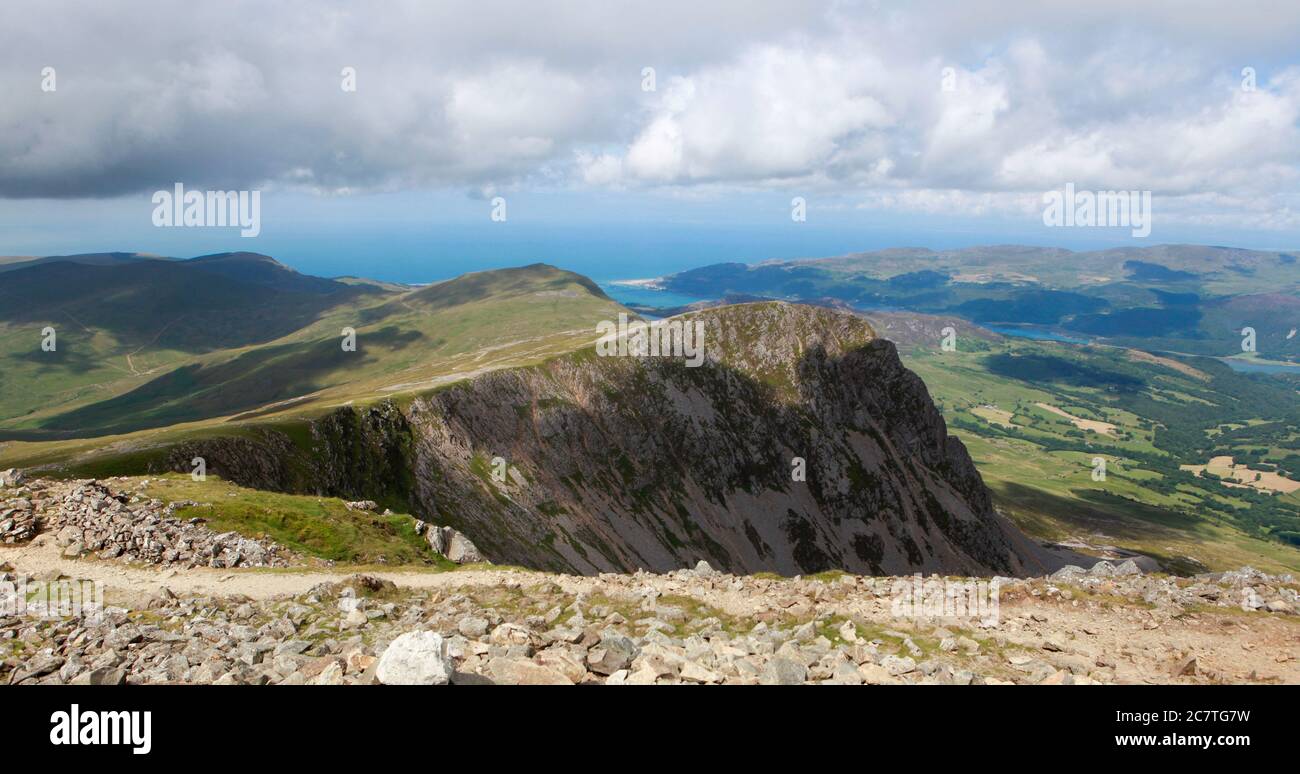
(1044, 478)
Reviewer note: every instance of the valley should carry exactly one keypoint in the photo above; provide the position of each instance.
(1040, 465)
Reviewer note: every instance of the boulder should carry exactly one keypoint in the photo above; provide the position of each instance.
(896, 665)
(1128, 567)
(416, 658)
(452, 544)
(1102, 569)
(615, 652)
(783, 671)
(515, 671)
(472, 626)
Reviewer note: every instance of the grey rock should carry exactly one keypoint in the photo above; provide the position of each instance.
(472, 626)
(1102, 569)
(615, 652)
(510, 671)
(783, 671)
(1128, 567)
(416, 658)
(896, 665)
(100, 677)
(452, 544)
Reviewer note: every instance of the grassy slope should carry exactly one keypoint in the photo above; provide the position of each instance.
(407, 343)
(319, 527)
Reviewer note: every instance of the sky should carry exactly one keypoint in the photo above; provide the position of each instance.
(635, 139)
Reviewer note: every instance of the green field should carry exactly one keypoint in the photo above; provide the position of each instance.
(1040, 464)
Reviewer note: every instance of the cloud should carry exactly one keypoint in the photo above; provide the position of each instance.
(919, 106)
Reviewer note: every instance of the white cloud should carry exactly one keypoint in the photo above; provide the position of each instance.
(839, 98)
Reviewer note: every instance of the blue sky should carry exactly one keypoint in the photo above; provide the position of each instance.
(423, 236)
(901, 124)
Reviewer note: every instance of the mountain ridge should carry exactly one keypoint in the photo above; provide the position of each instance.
(621, 463)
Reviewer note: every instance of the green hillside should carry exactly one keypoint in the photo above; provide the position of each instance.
(1035, 416)
(148, 345)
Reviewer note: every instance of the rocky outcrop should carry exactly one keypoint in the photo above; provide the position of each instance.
(616, 463)
(353, 453)
(449, 543)
(801, 444)
(90, 518)
(23, 507)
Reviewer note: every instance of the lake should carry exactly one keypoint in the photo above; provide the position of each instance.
(1253, 367)
(1037, 334)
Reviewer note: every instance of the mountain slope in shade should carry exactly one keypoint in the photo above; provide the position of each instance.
(625, 463)
(14, 263)
(164, 304)
(405, 338)
(264, 271)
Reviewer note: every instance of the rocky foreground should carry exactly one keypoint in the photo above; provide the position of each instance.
(690, 626)
(175, 602)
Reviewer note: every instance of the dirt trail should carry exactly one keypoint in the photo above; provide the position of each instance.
(130, 584)
(42, 556)
(1130, 641)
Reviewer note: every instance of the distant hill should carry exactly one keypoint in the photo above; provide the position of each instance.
(1177, 297)
(182, 305)
(15, 263)
(147, 344)
(265, 271)
(537, 278)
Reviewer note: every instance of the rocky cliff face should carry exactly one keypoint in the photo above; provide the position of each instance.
(589, 463)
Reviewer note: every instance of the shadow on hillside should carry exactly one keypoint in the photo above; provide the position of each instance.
(1092, 510)
(254, 379)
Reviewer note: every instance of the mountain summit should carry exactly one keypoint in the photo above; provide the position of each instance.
(801, 444)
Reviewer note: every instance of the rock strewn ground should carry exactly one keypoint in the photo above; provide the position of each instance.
(89, 517)
(683, 627)
(21, 507)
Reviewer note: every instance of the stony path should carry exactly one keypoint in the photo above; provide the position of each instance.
(692, 626)
(180, 608)
(42, 556)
